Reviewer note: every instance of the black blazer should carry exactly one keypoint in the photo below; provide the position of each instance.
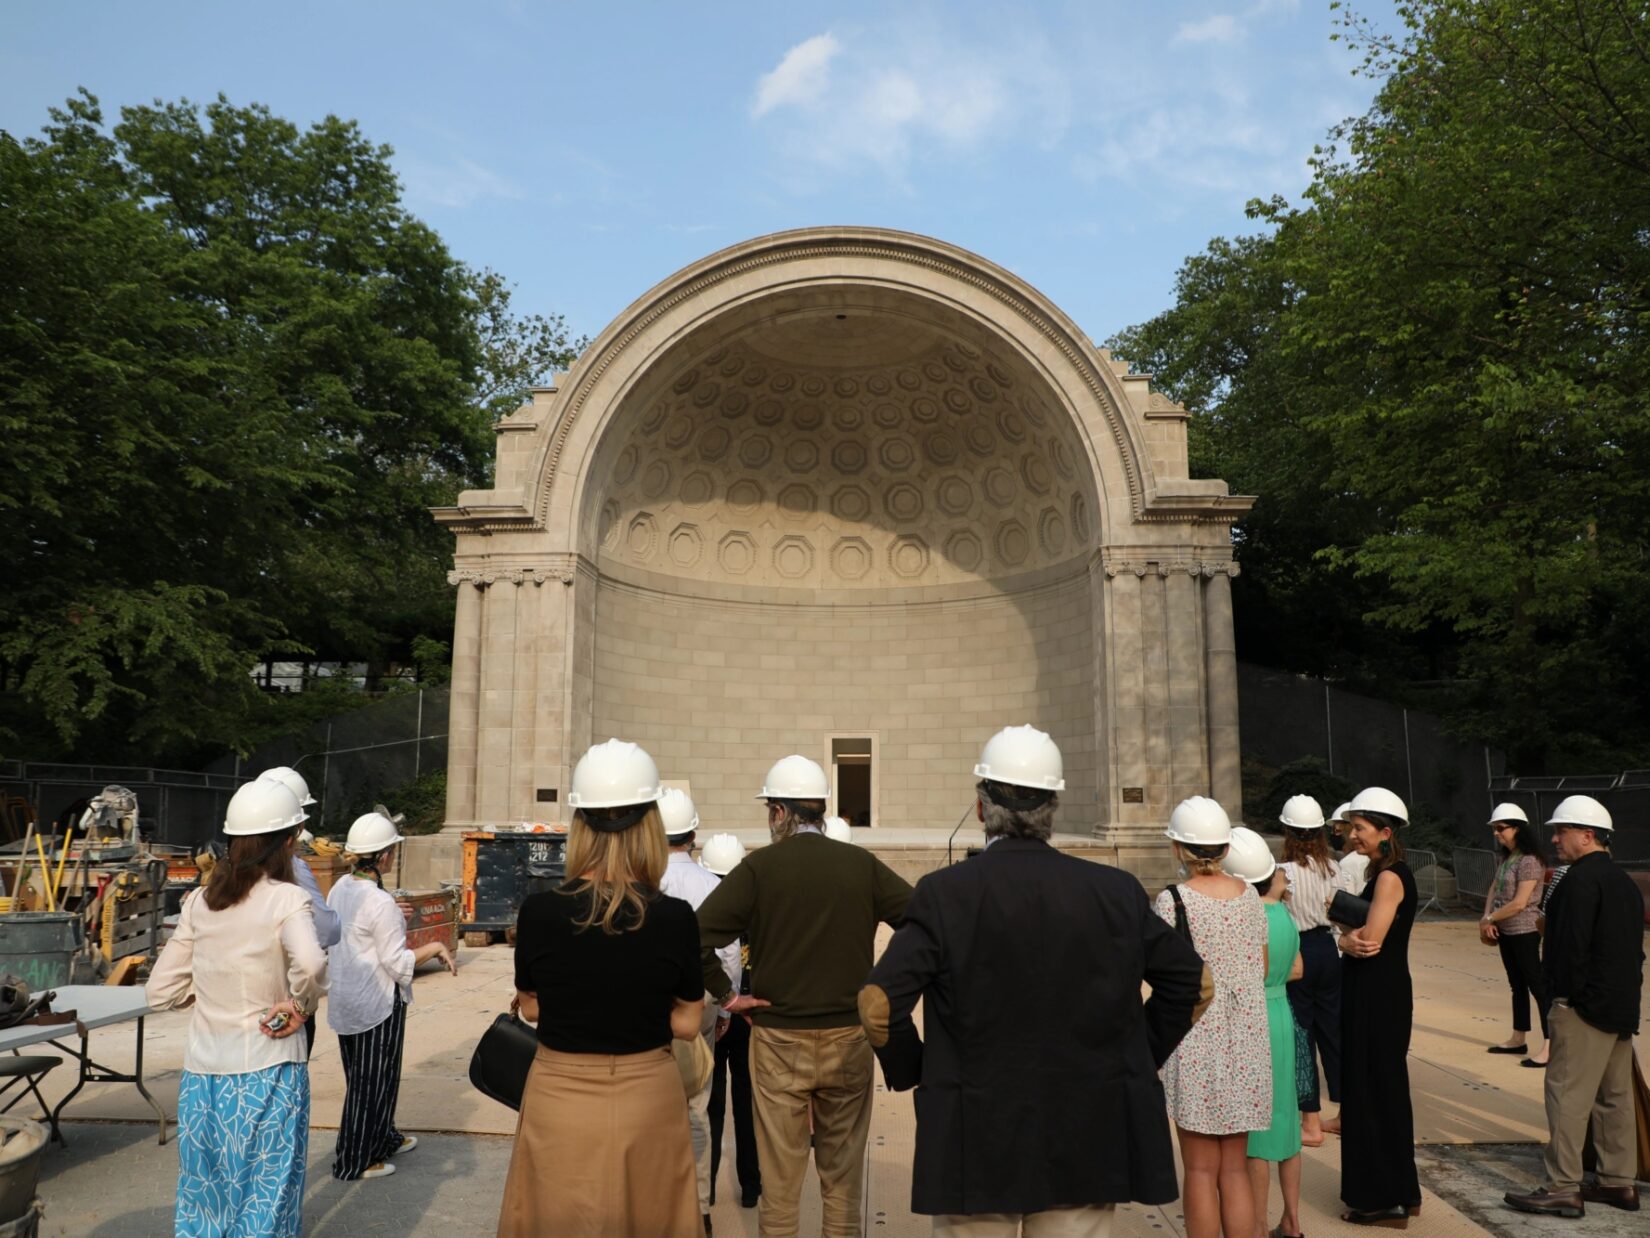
(1039, 1076)
(1593, 950)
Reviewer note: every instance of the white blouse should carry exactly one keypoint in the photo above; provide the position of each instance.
(236, 964)
(371, 961)
(1310, 889)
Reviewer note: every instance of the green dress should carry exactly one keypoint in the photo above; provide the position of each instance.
(1282, 1139)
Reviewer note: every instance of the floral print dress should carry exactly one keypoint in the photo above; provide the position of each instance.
(1219, 1080)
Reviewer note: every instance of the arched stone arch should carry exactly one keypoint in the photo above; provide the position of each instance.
(840, 428)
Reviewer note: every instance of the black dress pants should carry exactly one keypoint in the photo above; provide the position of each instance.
(1315, 1001)
(1521, 956)
(733, 1059)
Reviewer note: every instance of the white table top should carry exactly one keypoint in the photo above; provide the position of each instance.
(96, 1005)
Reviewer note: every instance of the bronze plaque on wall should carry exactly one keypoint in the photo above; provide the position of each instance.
(1134, 795)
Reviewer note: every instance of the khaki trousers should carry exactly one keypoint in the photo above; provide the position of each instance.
(1092, 1222)
(1589, 1074)
(826, 1072)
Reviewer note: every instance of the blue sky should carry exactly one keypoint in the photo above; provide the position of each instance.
(588, 151)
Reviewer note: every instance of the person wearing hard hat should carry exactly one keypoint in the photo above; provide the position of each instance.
(691, 882)
(1354, 866)
(1040, 1103)
(1218, 1081)
(1315, 997)
(809, 909)
(245, 954)
(838, 830)
(607, 966)
(721, 855)
(372, 973)
(1379, 1184)
(1593, 957)
(1249, 858)
(1511, 908)
(326, 920)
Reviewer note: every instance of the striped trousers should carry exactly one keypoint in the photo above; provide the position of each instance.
(372, 1084)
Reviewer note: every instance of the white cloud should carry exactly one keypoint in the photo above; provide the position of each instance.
(454, 183)
(801, 77)
(1221, 28)
(889, 100)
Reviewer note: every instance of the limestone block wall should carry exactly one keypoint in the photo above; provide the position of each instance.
(718, 689)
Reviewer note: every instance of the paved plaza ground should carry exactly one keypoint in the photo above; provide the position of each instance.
(1478, 1117)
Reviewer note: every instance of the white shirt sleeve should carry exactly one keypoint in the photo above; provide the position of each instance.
(389, 943)
(306, 969)
(172, 979)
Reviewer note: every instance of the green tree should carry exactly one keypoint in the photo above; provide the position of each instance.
(1455, 377)
(234, 374)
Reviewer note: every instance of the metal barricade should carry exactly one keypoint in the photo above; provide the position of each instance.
(1424, 864)
(1474, 873)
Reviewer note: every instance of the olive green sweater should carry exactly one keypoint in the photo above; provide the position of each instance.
(808, 909)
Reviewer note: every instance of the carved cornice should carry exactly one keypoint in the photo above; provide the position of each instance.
(562, 568)
(1118, 563)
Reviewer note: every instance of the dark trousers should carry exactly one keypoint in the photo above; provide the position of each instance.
(1521, 956)
(1315, 1000)
(733, 1059)
(309, 1037)
(372, 1084)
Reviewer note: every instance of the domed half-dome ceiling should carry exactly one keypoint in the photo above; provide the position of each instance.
(831, 452)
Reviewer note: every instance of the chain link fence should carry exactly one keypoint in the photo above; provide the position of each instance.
(1366, 742)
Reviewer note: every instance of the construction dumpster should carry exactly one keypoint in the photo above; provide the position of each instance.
(501, 868)
(431, 915)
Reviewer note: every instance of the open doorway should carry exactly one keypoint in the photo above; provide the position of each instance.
(853, 762)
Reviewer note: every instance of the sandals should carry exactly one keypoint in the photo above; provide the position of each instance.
(1277, 1232)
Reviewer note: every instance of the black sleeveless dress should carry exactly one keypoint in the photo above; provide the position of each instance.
(1377, 1119)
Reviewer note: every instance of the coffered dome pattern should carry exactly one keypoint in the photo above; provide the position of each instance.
(937, 466)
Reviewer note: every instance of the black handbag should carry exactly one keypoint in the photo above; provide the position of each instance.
(502, 1058)
(1348, 909)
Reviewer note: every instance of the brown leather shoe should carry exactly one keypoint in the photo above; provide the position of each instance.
(1547, 1203)
(1624, 1197)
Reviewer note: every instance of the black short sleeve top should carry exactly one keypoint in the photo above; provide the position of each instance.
(600, 992)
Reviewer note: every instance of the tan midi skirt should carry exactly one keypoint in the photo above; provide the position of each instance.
(602, 1148)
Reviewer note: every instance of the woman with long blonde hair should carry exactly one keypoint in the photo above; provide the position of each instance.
(608, 968)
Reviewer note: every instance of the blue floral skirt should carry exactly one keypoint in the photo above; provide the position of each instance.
(242, 1144)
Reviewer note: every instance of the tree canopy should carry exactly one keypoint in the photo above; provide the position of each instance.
(235, 372)
(1435, 372)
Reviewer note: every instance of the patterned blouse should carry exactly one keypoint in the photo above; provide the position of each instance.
(1514, 869)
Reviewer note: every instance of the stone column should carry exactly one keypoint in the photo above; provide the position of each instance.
(1225, 753)
(465, 701)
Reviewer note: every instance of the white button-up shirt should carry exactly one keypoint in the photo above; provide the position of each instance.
(236, 964)
(371, 962)
(685, 878)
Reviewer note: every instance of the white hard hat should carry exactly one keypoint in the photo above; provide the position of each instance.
(615, 774)
(1582, 810)
(371, 833)
(263, 807)
(292, 780)
(1248, 857)
(1340, 813)
(1508, 812)
(1022, 756)
(1200, 822)
(840, 830)
(676, 807)
(1379, 799)
(1301, 812)
(722, 854)
(795, 778)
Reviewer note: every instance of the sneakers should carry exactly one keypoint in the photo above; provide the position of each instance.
(381, 1170)
(408, 1143)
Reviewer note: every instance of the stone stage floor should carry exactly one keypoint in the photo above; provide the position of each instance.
(1473, 1110)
